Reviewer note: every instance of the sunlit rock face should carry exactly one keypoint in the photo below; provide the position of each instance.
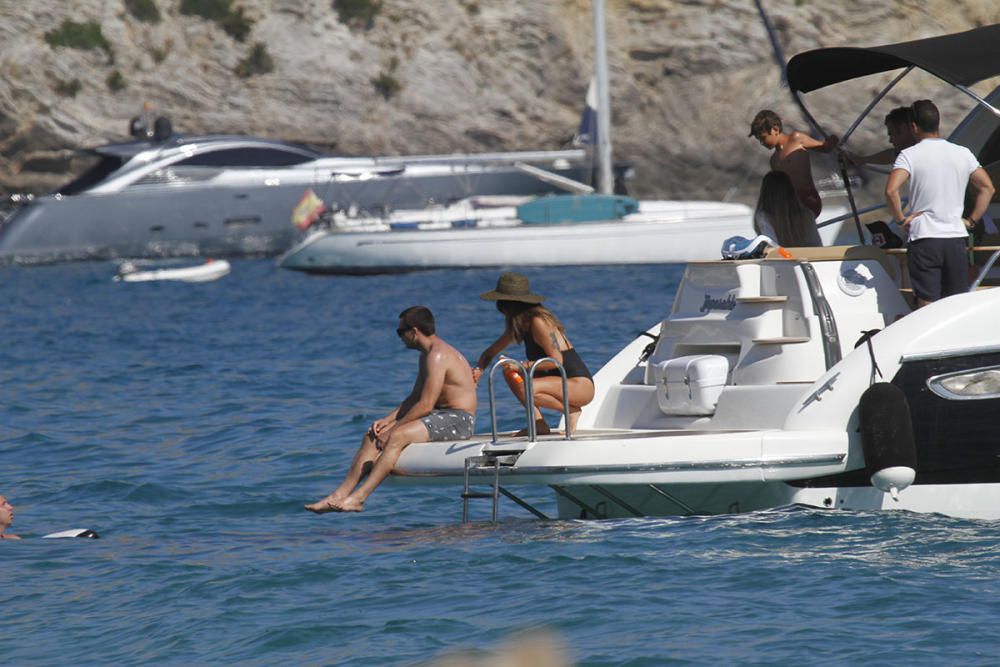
(448, 76)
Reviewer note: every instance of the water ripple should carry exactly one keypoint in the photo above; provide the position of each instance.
(188, 424)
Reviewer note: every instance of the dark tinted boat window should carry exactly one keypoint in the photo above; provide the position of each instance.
(991, 149)
(93, 176)
(247, 157)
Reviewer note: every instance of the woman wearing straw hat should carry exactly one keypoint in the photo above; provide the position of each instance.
(525, 319)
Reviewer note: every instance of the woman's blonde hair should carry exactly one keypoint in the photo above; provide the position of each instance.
(779, 202)
(518, 315)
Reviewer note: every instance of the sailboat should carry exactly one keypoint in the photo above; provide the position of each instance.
(585, 226)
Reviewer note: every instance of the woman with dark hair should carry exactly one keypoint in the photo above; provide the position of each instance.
(525, 319)
(781, 216)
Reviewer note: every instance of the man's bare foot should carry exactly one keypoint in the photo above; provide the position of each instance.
(328, 504)
(349, 504)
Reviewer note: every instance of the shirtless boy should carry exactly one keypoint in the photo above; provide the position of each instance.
(790, 156)
(441, 406)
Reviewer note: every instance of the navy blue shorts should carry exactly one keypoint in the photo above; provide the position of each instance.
(938, 267)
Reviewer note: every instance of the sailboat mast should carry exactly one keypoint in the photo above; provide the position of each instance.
(604, 177)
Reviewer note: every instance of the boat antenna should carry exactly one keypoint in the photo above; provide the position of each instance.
(779, 57)
(772, 36)
(604, 177)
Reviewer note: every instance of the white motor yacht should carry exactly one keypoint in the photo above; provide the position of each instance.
(755, 396)
(802, 377)
(216, 195)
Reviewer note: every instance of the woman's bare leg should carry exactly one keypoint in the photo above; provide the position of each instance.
(574, 418)
(548, 394)
(516, 384)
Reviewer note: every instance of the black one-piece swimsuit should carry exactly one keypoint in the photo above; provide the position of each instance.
(575, 368)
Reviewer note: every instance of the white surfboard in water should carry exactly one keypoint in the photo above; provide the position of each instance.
(73, 532)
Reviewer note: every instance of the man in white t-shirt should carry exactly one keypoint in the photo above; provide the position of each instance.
(939, 173)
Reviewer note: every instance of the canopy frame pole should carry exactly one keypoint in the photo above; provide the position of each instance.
(878, 98)
(864, 114)
(843, 169)
(977, 98)
(846, 178)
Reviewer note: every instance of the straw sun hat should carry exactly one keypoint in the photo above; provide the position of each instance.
(512, 287)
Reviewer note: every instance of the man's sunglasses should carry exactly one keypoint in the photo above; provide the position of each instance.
(402, 330)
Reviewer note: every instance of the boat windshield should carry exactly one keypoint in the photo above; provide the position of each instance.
(989, 156)
(105, 166)
(248, 157)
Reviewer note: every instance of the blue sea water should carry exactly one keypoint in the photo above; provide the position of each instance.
(188, 423)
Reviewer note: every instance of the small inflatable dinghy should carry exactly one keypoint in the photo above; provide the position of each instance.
(211, 269)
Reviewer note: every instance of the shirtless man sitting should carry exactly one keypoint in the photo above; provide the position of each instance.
(441, 406)
(789, 155)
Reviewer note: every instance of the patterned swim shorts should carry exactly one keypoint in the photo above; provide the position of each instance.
(449, 425)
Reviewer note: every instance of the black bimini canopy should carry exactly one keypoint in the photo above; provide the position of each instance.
(960, 59)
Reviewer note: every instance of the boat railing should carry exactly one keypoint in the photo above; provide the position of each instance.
(528, 376)
(986, 269)
(507, 361)
(850, 215)
(506, 158)
(530, 396)
(827, 321)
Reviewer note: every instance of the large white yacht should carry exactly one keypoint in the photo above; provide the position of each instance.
(800, 377)
(755, 397)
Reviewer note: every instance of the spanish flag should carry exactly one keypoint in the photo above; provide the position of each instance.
(308, 210)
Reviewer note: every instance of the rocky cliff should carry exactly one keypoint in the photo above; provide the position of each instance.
(409, 76)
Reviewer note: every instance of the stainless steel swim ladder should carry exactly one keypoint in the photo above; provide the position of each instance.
(497, 454)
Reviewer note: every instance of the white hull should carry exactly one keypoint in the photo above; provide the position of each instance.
(758, 392)
(783, 425)
(662, 232)
(654, 480)
(189, 274)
